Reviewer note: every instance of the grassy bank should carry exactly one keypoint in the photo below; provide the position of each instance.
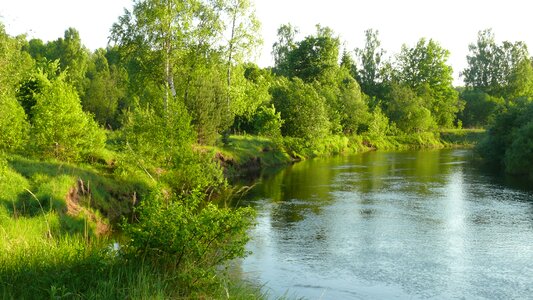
(56, 227)
(246, 153)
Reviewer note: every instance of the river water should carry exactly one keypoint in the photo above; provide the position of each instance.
(391, 225)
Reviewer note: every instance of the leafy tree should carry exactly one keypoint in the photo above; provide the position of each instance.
(281, 49)
(14, 127)
(244, 33)
(105, 90)
(14, 65)
(423, 68)
(315, 58)
(370, 73)
(302, 109)
(207, 103)
(160, 146)
(60, 129)
(509, 141)
(520, 81)
(187, 236)
(518, 157)
(406, 109)
(154, 35)
(490, 66)
(480, 108)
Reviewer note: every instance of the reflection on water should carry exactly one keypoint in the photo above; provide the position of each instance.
(403, 225)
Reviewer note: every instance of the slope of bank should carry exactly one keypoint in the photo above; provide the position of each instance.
(245, 154)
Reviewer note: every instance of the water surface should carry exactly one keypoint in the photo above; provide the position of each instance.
(392, 225)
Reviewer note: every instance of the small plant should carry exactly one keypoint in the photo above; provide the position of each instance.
(187, 235)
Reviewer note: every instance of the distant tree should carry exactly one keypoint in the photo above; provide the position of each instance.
(105, 89)
(60, 128)
(316, 57)
(14, 66)
(490, 66)
(303, 110)
(406, 109)
(509, 140)
(281, 49)
(480, 108)
(424, 69)
(520, 81)
(370, 73)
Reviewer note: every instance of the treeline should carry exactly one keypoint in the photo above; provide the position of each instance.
(191, 75)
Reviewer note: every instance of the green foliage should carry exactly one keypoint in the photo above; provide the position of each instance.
(302, 109)
(508, 142)
(267, 122)
(14, 127)
(60, 128)
(406, 109)
(161, 147)
(370, 74)
(518, 157)
(105, 89)
(480, 108)
(315, 57)
(379, 124)
(187, 235)
(491, 67)
(424, 69)
(208, 103)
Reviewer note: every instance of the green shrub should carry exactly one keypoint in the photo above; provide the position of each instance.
(160, 147)
(303, 110)
(187, 235)
(14, 127)
(518, 157)
(61, 130)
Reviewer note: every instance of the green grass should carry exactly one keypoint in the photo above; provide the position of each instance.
(34, 265)
(49, 252)
(244, 149)
(462, 137)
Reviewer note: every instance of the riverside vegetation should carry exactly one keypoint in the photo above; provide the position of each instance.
(135, 138)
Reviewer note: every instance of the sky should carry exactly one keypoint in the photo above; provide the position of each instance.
(452, 23)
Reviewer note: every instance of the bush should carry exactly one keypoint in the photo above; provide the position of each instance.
(14, 127)
(187, 235)
(61, 130)
(519, 156)
(303, 110)
(160, 144)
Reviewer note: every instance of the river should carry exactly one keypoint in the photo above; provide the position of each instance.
(391, 225)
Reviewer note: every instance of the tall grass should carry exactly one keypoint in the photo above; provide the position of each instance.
(47, 252)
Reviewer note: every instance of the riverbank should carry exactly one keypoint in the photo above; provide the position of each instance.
(244, 155)
(58, 224)
(58, 219)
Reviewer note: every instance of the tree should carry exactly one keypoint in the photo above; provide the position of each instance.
(60, 128)
(282, 47)
(424, 69)
(154, 34)
(105, 89)
(490, 66)
(370, 72)
(244, 33)
(316, 57)
(14, 65)
(302, 109)
(406, 109)
(480, 108)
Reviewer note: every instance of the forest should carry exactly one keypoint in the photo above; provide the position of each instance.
(138, 138)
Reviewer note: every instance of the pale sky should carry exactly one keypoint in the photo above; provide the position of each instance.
(453, 23)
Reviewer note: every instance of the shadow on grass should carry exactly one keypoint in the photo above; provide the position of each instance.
(78, 194)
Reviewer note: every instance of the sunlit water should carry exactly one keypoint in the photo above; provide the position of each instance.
(402, 225)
